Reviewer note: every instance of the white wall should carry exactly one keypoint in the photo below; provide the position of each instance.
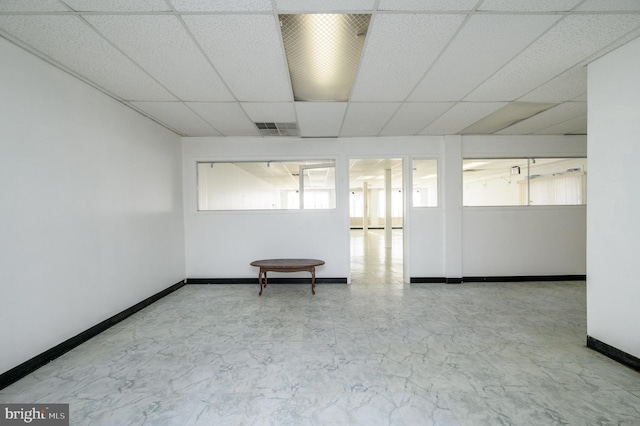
(447, 241)
(222, 244)
(90, 207)
(613, 290)
(511, 241)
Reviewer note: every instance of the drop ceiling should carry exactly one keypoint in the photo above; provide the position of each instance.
(428, 67)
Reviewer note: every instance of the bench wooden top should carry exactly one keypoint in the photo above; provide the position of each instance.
(287, 263)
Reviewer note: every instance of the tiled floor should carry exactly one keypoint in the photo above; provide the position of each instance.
(371, 261)
(374, 352)
(470, 354)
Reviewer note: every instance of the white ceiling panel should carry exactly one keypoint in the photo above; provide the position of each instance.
(325, 6)
(222, 5)
(573, 126)
(398, 51)
(160, 45)
(610, 5)
(485, 44)
(461, 116)
(118, 5)
(320, 119)
(31, 6)
(253, 65)
(367, 119)
(411, 118)
(544, 120)
(278, 112)
(70, 42)
(528, 5)
(565, 87)
(226, 117)
(428, 5)
(569, 42)
(216, 67)
(177, 116)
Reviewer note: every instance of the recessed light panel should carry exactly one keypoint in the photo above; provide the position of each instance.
(323, 52)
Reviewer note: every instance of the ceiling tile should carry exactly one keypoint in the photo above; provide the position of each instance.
(565, 45)
(367, 119)
(563, 88)
(325, 6)
(528, 6)
(610, 5)
(398, 51)
(31, 6)
(427, 5)
(544, 120)
(320, 119)
(574, 126)
(461, 116)
(178, 117)
(277, 112)
(484, 45)
(253, 65)
(226, 117)
(160, 45)
(69, 41)
(413, 117)
(222, 5)
(118, 5)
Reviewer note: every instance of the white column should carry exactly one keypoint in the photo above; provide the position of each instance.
(613, 294)
(453, 206)
(365, 208)
(387, 216)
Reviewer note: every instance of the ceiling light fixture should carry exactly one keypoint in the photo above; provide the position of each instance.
(323, 52)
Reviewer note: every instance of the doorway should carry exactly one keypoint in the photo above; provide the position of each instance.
(376, 215)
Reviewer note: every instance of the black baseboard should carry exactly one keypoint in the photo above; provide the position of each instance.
(524, 278)
(270, 280)
(614, 353)
(496, 279)
(47, 356)
(427, 280)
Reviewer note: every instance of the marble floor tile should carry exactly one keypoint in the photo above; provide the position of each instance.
(394, 354)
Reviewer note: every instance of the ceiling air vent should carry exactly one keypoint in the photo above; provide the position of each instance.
(278, 129)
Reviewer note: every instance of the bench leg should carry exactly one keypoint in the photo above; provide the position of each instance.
(262, 283)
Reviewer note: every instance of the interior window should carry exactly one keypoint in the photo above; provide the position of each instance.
(266, 185)
(524, 181)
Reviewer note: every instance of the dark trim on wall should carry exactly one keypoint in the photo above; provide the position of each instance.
(427, 280)
(47, 356)
(523, 278)
(614, 353)
(499, 279)
(269, 280)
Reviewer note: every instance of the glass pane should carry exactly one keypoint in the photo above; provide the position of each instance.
(265, 185)
(319, 186)
(522, 181)
(494, 182)
(557, 181)
(425, 183)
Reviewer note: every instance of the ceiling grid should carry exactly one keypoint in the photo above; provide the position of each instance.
(428, 67)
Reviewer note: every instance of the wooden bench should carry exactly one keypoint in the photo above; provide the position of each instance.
(286, 265)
